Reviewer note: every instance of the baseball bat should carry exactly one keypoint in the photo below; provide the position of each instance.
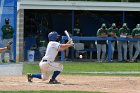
(67, 34)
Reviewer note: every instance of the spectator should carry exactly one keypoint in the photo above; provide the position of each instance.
(101, 44)
(42, 48)
(112, 33)
(8, 31)
(124, 32)
(135, 34)
(41, 45)
(77, 31)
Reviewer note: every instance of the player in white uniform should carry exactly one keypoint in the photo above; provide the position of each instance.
(47, 63)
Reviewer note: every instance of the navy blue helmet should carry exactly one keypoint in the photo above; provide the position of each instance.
(53, 36)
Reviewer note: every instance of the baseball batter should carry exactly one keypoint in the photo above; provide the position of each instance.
(47, 63)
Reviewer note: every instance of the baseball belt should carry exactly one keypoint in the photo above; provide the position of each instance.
(46, 61)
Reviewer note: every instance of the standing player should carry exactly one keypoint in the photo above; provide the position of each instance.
(47, 63)
(101, 44)
(8, 32)
(135, 34)
(112, 33)
(124, 32)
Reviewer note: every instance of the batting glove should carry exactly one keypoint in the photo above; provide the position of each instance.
(70, 41)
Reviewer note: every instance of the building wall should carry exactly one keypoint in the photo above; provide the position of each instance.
(20, 36)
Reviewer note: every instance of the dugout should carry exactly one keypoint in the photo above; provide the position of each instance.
(35, 16)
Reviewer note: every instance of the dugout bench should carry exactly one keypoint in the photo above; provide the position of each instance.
(109, 39)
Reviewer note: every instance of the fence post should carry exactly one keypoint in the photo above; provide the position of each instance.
(109, 49)
(62, 52)
(15, 26)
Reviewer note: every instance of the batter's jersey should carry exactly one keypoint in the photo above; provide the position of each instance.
(51, 51)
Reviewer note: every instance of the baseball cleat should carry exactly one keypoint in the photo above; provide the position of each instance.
(54, 82)
(29, 77)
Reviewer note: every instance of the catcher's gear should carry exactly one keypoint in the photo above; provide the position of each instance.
(52, 36)
(9, 45)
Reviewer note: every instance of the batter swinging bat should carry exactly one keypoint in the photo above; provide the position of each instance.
(67, 34)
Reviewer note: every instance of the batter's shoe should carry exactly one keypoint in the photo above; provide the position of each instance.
(54, 81)
(29, 77)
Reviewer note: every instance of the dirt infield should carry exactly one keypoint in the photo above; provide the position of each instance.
(109, 84)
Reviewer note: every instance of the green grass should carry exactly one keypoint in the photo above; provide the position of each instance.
(48, 92)
(101, 67)
(31, 68)
(87, 67)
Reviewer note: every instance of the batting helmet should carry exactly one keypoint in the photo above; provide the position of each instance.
(52, 36)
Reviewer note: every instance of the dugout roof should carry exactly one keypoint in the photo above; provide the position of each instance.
(78, 5)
